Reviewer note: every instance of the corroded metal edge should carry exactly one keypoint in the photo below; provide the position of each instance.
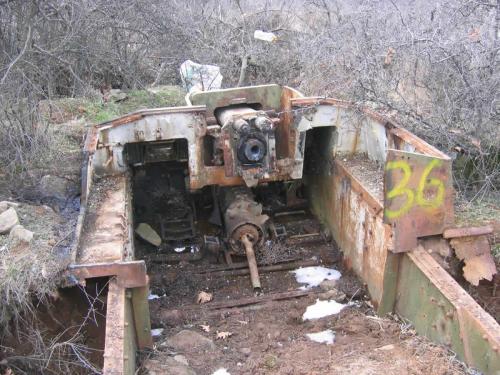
(442, 310)
(394, 128)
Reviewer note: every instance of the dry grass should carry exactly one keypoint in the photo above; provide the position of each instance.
(28, 275)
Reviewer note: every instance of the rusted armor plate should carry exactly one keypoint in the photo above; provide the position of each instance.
(418, 196)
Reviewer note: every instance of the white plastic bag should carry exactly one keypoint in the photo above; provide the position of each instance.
(265, 36)
(198, 77)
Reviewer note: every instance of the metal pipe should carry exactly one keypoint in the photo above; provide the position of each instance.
(252, 262)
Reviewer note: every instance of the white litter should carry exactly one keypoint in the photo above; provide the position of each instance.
(153, 296)
(221, 371)
(265, 36)
(327, 337)
(156, 332)
(198, 77)
(313, 276)
(321, 309)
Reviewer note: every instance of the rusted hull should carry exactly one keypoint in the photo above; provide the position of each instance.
(380, 247)
(355, 218)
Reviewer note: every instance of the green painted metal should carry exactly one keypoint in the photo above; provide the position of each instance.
(142, 321)
(269, 96)
(442, 311)
(389, 288)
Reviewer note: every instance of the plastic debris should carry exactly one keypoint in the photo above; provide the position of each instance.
(156, 332)
(265, 36)
(198, 77)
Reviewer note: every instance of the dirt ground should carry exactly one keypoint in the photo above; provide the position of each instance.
(269, 338)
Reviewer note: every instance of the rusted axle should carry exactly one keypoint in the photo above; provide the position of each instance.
(252, 262)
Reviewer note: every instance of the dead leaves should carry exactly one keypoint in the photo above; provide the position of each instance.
(204, 297)
(223, 335)
(205, 327)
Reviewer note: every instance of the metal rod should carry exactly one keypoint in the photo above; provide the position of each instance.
(270, 268)
(252, 262)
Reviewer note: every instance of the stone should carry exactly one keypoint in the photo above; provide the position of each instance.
(117, 95)
(327, 285)
(167, 366)
(3, 207)
(8, 220)
(181, 359)
(148, 234)
(58, 188)
(246, 351)
(186, 341)
(333, 294)
(20, 236)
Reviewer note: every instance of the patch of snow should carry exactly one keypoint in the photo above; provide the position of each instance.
(156, 332)
(155, 296)
(321, 309)
(327, 337)
(221, 371)
(313, 276)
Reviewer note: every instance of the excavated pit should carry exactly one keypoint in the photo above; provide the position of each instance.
(66, 335)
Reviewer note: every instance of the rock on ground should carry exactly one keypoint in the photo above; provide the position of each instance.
(148, 234)
(3, 207)
(8, 220)
(168, 366)
(20, 236)
(117, 95)
(327, 285)
(333, 294)
(187, 340)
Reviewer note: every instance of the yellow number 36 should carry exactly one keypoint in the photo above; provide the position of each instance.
(416, 196)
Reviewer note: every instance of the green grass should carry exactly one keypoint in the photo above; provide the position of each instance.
(96, 111)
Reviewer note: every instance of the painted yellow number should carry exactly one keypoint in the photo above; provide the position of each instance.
(437, 200)
(412, 198)
(400, 189)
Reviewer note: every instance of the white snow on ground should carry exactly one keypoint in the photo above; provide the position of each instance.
(313, 276)
(321, 309)
(327, 337)
(221, 371)
(156, 331)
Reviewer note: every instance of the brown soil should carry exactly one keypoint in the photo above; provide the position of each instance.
(270, 338)
(65, 336)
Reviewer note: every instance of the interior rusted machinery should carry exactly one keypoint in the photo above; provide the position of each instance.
(217, 177)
